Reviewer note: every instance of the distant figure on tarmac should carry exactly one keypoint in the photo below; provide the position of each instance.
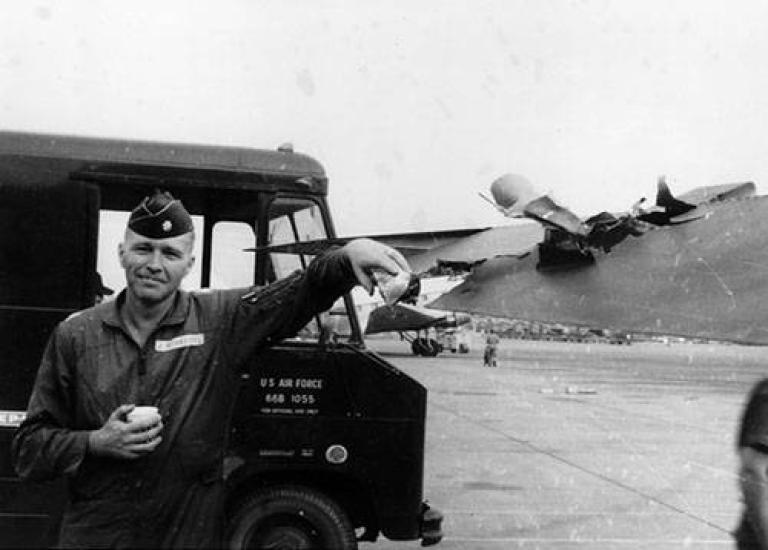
(752, 448)
(157, 481)
(491, 349)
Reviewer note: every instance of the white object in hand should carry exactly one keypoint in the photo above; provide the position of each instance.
(391, 287)
(141, 413)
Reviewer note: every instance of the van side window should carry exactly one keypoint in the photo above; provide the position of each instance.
(231, 265)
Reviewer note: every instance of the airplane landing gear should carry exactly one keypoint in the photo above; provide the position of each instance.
(426, 347)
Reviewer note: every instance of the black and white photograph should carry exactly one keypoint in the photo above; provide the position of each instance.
(356, 275)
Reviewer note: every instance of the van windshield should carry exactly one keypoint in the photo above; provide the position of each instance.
(299, 220)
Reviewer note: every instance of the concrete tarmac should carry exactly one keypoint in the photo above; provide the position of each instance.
(568, 445)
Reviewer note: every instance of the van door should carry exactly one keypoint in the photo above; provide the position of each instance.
(48, 235)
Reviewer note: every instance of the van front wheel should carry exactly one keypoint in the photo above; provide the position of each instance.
(290, 518)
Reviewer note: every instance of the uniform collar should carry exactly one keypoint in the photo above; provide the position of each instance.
(175, 316)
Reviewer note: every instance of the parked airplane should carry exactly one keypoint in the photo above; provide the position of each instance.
(414, 323)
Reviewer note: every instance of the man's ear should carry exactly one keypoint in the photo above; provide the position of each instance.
(190, 264)
(121, 254)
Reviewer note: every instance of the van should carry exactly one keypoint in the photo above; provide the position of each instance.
(326, 429)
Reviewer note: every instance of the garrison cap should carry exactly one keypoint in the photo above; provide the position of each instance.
(160, 216)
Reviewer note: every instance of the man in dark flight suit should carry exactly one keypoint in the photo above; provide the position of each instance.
(150, 483)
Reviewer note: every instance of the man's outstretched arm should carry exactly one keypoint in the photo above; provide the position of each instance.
(278, 311)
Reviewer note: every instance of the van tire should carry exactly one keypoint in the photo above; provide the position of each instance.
(290, 518)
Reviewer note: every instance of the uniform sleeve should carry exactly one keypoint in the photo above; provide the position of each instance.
(45, 446)
(267, 315)
(754, 422)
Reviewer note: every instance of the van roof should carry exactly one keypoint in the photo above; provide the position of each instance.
(92, 153)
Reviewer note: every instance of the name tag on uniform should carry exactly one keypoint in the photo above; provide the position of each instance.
(12, 419)
(183, 341)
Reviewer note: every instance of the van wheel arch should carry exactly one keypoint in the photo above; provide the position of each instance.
(290, 516)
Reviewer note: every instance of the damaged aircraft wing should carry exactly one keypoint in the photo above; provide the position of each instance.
(703, 274)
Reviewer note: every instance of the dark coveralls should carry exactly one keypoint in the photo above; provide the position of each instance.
(188, 369)
(753, 433)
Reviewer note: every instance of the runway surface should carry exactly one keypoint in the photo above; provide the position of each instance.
(568, 445)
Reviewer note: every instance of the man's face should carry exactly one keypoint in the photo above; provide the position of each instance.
(154, 268)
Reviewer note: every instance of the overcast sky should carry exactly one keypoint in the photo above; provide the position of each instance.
(413, 106)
